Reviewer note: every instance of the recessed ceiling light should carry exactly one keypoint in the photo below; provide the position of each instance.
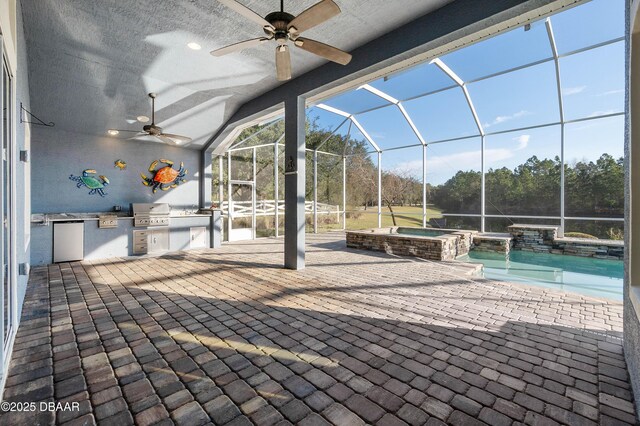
(142, 118)
(194, 46)
(113, 132)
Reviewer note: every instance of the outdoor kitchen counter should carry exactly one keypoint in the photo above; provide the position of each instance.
(43, 218)
(101, 243)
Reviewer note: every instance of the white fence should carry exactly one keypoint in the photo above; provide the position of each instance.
(268, 208)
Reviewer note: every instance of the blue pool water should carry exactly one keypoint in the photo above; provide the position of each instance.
(588, 276)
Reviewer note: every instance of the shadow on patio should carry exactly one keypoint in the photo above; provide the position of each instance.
(217, 337)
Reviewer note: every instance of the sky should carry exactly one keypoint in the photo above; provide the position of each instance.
(592, 85)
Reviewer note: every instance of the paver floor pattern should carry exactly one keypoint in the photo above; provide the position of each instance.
(229, 337)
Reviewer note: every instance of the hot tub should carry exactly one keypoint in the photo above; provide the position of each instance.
(425, 243)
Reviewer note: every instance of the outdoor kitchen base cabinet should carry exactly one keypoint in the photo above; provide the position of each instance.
(151, 241)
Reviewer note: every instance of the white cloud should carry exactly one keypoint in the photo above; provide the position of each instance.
(377, 135)
(464, 160)
(523, 141)
(611, 92)
(503, 118)
(568, 91)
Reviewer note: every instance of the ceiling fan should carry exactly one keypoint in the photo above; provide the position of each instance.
(155, 131)
(284, 27)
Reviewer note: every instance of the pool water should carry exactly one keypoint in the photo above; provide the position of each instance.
(588, 276)
(420, 232)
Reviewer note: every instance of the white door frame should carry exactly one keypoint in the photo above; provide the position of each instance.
(242, 234)
(6, 342)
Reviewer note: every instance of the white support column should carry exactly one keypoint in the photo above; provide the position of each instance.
(556, 62)
(315, 191)
(205, 179)
(344, 192)
(424, 186)
(220, 180)
(379, 189)
(562, 184)
(229, 198)
(276, 184)
(483, 187)
(253, 195)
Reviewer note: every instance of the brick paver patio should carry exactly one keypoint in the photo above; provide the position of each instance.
(229, 337)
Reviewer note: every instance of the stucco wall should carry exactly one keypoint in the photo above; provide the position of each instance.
(22, 173)
(100, 243)
(58, 154)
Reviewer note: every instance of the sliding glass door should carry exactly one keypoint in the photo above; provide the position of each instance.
(8, 302)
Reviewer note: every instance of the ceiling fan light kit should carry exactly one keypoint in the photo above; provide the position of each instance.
(284, 27)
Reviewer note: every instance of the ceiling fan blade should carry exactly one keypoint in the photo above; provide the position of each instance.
(239, 46)
(283, 63)
(331, 53)
(130, 131)
(165, 139)
(315, 15)
(141, 136)
(179, 139)
(246, 12)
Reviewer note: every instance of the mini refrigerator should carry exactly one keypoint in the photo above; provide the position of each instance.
(68, 241)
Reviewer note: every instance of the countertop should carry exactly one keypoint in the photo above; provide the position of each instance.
(44, 218)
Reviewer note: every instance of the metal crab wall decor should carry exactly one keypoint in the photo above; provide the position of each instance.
(96, 186)
(165, 177)
(120, 164)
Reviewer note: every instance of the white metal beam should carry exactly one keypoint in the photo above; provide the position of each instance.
(365, 134)
(398, 104)
(556, 61)
(333, 110)
(506, 71)
(354, 121)
(453, 76)
(467, 96)
(333, 132)
(411, 124)
(379, 93)
(315, 191)
(424, 186)
(483, 190)
(448, 71)
(276, 183)
(379, 189)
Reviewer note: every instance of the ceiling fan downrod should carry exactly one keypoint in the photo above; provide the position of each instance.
(153, 108)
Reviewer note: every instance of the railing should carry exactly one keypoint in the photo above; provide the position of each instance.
(268, 208)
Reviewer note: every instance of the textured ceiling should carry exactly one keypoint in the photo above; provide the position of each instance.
(92, 62)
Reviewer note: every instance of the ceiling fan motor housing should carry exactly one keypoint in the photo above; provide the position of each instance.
(152, 129)
(280, 21)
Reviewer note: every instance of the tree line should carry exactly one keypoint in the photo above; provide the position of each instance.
(592, 188)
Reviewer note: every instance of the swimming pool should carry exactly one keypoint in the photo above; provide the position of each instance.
(588, 276)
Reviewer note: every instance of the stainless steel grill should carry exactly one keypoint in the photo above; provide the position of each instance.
(150, 214)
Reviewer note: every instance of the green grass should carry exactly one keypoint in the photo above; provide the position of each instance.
(405, 216)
